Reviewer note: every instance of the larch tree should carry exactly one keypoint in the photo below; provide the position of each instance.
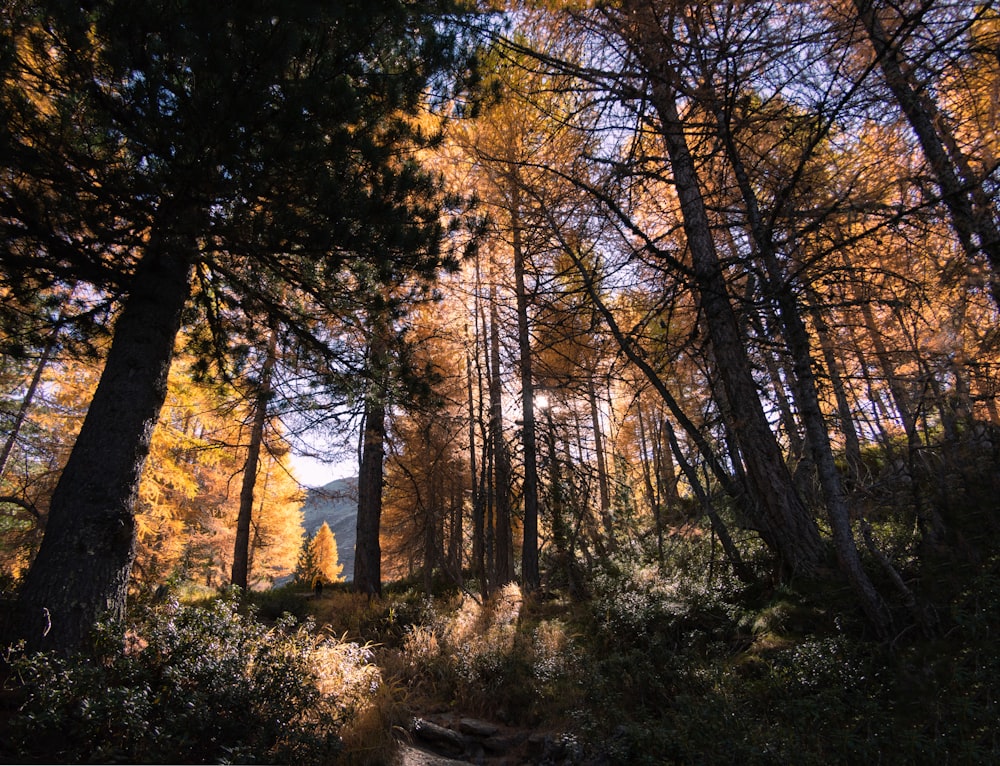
(324, 555)
(155, 152)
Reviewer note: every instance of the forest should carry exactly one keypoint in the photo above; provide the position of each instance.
(663, 334)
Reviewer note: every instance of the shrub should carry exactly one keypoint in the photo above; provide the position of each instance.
(194, 685)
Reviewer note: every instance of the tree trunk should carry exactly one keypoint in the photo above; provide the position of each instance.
(852, 444)
(26, 402)
(241, 549)
(530, 578)
(792, 530)
(80, 575)
(479, 493)
(602, 463)
(653, 493)
(368, 550)
(503, 539)
(806, 393)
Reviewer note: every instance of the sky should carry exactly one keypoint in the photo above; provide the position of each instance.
(317, 473)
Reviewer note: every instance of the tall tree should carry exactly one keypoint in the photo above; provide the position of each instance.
(147, 144)
(651, 33)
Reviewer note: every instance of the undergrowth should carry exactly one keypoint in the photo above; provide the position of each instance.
(197, 684)
(650, 669)
(657, 670)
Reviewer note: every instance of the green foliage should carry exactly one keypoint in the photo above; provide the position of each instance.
(191, 685)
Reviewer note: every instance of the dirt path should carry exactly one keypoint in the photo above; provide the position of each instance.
(449, 739)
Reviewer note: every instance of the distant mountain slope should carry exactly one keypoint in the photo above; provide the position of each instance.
(337, 505)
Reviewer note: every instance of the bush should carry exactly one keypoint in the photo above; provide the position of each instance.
(192, 685)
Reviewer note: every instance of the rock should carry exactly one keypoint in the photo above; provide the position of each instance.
(504, 744)
(414, 756)
(438, 735)
(476, 728)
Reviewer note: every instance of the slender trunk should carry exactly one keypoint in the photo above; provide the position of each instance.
(897, 388)
(560, 531)
(602, 465)
(241, 549)
(852, 444)
(530, 578)
(741, 570)
(431, 556)
(652, 492)
(80, 575)
(480, 492)
(26, 402)
(792, 531)
(807, 396)
(477, 508)
(368, 550)
(456, 539)
(735, 488)
(503, 538)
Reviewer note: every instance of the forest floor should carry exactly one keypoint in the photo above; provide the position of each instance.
(448, 739)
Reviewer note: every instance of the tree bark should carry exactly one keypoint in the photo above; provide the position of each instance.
(602, 463)
(503, 539)
(80, 575)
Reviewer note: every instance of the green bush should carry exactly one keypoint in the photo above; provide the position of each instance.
(190, 685)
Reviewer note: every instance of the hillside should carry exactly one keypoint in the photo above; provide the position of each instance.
(335, 503)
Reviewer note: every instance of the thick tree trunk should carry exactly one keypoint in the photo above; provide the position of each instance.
(80, 575)
(368, 550)
(241, 550)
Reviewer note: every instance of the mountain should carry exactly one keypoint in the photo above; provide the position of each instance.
(337, 504)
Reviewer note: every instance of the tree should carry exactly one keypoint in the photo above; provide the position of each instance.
(165, 154)
(322, 558)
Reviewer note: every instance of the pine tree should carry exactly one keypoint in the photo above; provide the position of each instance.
(182, 159)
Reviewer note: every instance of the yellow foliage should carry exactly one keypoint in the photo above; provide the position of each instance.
(325, 558)
(188, 497)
